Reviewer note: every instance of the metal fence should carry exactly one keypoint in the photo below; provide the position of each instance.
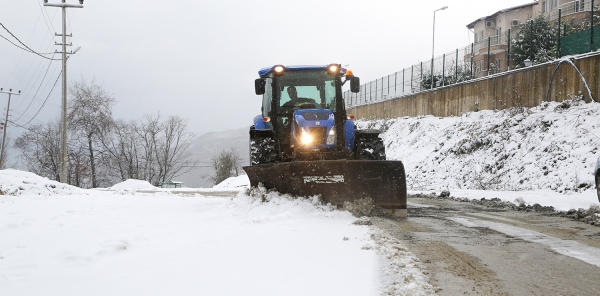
(449, 68)
(456, 66)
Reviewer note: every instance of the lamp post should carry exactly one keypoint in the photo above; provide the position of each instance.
(63, 141)
(433, 43)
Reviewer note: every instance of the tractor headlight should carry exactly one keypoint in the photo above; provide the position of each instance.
(306, 138)
(331, 137)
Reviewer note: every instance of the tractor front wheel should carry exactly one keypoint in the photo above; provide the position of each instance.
(262, 150)
(598, 185)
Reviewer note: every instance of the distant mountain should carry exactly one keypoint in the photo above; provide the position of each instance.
(207, 146)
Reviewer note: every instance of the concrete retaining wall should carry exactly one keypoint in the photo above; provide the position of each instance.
(526, 87)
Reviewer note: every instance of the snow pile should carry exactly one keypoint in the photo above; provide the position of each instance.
(234, 182)
(132, 184)
(402, 268)
(261, 199)
(553, 146)
(547, 197)
(14, 182)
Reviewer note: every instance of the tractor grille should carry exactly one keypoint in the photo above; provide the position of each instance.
(319, 134)
(312, 116)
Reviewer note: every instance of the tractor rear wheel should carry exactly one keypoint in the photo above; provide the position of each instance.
(370, 148)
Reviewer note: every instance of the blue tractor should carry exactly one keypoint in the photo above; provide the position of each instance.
(304, 143)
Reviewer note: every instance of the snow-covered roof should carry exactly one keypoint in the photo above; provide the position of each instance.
(472, 24)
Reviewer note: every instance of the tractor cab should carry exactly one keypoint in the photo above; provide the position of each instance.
(304, 108)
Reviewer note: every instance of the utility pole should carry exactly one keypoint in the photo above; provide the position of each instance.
(63, 141)
(9, 92)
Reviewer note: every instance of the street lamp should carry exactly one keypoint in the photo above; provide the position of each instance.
(433, 43)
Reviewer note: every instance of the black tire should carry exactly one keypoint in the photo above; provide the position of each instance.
(370, 148)
(262, 150)
(598, 185)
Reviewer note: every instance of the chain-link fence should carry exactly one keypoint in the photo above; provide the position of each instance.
(448, 68)
(485, 56)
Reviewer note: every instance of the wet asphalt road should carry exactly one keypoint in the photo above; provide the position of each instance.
(470, 249)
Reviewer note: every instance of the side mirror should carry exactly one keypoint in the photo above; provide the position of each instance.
(355, 84)
(259, 86)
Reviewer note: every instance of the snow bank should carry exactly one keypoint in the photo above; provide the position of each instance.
(15, 182)
(402, 269)
(553, 146)
(132, 184)
(234, 182)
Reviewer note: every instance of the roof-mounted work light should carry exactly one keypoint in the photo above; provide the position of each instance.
(333, 69)
(278, 70)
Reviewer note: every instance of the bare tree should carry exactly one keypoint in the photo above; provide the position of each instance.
(101, 150)
(40, 146)
(89, 116)
(123, 148)
(148, 131)
(151, 150)
(78, 168)
(226, 165)
(171, 150)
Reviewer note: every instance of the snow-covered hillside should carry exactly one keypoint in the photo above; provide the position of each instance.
(553, 146)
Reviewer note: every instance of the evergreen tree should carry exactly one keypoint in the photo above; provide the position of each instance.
(536, 40)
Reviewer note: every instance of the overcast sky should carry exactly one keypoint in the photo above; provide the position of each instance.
(199, 59)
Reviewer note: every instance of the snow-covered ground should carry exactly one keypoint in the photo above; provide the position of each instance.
(56, 239)
(135, 239)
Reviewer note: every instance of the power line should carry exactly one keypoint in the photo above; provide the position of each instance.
(39, 65)
(29, 50)
(27, 47)
(43, 104)
(22, 53)
(36, 92)
(47, 21)
(70, 20)
(21, 126)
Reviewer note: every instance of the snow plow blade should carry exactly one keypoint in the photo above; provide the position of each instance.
(337, 181)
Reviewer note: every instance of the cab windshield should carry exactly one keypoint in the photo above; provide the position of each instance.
(305, 89)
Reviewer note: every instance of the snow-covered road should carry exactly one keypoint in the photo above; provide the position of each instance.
(61, 240)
